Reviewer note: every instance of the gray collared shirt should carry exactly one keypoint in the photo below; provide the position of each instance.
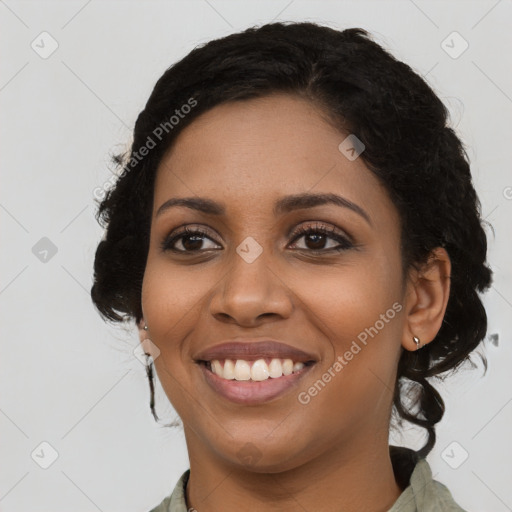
(421, 492)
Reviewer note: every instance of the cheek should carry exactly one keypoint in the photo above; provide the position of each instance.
(170, 293)
(170, 301)
(344, 301)
(357, 308)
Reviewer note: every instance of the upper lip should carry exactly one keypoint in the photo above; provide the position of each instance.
(253, 349)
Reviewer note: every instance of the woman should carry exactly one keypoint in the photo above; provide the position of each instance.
(296, 234)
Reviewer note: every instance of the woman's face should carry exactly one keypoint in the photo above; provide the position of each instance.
(251, 275)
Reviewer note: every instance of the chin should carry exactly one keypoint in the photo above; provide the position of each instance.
(264, 457)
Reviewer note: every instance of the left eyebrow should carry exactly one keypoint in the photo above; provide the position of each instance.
(300, 201)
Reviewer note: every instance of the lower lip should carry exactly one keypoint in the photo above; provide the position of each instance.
(250, 392)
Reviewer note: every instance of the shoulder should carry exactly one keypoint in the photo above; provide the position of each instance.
(176, 501)
(423, 493)
(430, 494)
(163, 506)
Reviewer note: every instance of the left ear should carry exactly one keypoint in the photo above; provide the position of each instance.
(427, 296)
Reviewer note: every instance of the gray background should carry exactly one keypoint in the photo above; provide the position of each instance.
(70, 380)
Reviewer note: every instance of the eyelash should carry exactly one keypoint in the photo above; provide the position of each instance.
(344, 242)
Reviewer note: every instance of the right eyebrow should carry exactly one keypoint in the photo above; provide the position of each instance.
(200, 204)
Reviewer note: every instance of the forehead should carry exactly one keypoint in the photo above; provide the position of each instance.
(246, 154)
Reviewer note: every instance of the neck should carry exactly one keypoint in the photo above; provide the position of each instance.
(349, 478)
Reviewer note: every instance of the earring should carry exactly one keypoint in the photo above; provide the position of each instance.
(144, 343)
(417, 341)
(149, 373)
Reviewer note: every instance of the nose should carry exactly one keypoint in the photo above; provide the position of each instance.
(250, 294)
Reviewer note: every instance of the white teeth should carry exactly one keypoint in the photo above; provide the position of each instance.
(216, 367)
(287, 367)
(298, 366)
(275, 368)
(260, 370)
(229, 370)
(242, 370)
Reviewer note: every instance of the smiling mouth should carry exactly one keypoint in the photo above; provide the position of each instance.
(254, 370)
(273, 378)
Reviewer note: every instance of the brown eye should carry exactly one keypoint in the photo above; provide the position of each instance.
(191, 240)
(316, 238)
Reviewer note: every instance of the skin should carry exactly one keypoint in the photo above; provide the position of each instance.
(331, 453)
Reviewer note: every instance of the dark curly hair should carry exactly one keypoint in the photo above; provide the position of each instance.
(363, 90)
